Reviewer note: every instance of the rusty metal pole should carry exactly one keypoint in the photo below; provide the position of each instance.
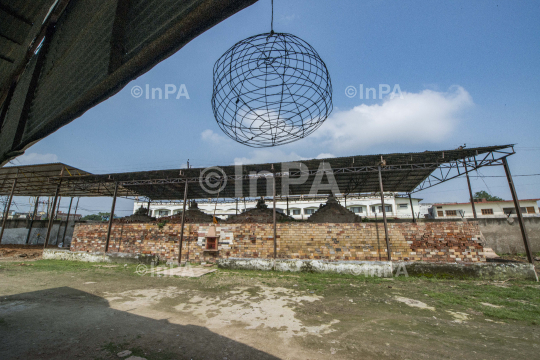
(111, 217)
(412, 209)
(32, 220)
(470, 190)
(274, 212)
(51, 218)
(384, 216)
(182, 226)
(288, 206)
(518, 211)
(67, 221)
(7, 207)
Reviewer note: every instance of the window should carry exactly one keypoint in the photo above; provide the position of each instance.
(512, 210)
(296, 212)
(309, 211)
(357, 209)
(440, 213)
(387, 208)
(487, 211)
(439, 207)
(451, 213)
(176, 212)
(403, 206)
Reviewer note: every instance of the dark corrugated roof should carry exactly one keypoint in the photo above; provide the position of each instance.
(403, 172)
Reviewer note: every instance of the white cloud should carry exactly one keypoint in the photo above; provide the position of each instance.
(428, 116)
(34, 158)
(209, 135)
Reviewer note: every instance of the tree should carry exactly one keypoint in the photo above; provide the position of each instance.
(92, 217)
(485, 195)
(102, 216)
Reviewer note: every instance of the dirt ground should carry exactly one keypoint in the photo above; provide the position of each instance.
(60, 310)
(14, 252)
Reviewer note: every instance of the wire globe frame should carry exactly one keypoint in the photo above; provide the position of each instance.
(271, 89)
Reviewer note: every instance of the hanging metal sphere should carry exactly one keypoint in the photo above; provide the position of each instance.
(271, 89)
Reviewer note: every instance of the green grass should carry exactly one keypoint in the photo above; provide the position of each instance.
(518, 302)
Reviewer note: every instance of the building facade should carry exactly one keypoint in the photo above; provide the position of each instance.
(484, 209)
(299, 208)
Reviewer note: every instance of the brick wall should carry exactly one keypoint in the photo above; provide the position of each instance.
(437, 241)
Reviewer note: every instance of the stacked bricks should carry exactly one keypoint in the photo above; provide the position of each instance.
(434, 242)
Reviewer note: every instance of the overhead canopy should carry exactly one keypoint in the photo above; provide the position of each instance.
(42, 180)
(407, 172)
(59, 58)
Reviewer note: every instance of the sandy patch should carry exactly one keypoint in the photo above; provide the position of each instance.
(491, 305)
(414, 303)
(459, 317)
(269, 308)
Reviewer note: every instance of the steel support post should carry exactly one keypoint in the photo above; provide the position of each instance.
(111, 217)
(182, 226)
(6, 212)
(470, 190)
(274, 212)
(412, 209)
(67, 221)
(32, 220)
(51, 218)
(384, 216)
(518, 211)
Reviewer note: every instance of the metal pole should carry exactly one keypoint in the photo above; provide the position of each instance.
(345, 196)
(76, 206)
(51, 218)
(182, 226)
(236, 206)
(384, 216)
(274, 212)
(149, 214)
(412, 209)
(111, 217)
(56, 216)
(67, 221)
(32, 220)
(518, 211)
(7, 208)
(288, 205)
(470, 190)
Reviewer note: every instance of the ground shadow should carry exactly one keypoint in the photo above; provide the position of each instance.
(66, 323)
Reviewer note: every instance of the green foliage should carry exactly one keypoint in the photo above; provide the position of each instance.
(161, 224)
(101, 216)
(485, 195)
(93, 217)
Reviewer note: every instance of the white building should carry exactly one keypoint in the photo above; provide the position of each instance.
(299, 207)
(484, 209)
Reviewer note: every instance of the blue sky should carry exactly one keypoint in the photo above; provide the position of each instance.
(468, 71)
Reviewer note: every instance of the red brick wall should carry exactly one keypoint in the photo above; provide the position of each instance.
(431, 241)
